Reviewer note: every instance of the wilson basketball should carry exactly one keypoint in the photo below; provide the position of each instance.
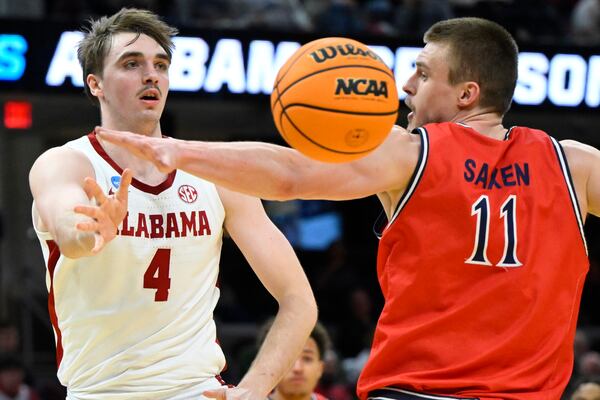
(334, 100)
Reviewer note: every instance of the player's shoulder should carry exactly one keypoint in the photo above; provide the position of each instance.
(575, 146)
(64, 156)
(580, 155)
(62, 153)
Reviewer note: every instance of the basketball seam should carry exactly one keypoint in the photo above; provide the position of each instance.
(294, 62)
(332, 110)
(331, 69)
(318, 144)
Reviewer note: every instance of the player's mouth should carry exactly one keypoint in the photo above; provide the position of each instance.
(150, 96)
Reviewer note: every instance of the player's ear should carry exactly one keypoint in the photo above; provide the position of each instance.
(95, 85)
(469, 94)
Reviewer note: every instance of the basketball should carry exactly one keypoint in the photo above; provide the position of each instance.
(334, 100)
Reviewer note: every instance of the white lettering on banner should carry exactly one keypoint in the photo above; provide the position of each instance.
(592, 97)
(64, 63)
(531, 84)
(405, 66)
(564, 80)
(188, 67)
(264, 61)
(226, 67)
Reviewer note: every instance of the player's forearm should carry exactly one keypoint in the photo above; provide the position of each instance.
(72, 242)
(257, 169)
(295, 320)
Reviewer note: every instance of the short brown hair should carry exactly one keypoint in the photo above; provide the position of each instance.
(96, 43)
(481, 51)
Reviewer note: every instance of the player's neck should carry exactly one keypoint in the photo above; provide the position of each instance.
(485, 123)
(147, 128)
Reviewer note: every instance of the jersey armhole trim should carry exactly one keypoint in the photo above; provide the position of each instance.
(564, 166)
(414, 179)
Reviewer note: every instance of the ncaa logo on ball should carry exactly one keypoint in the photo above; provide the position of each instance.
(361, 87)
(187, 193)
(357, 137)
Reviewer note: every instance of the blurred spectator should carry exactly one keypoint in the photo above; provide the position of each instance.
(300, 382)
(334, 384)
(588, 389)
(31, 9)
(281, 15)
(589, 364)
(378, 13)
(12, 384)
(414, 17)
(357, 326)
(203, 13)
(9, 338)
(585, 22)
(341, 17)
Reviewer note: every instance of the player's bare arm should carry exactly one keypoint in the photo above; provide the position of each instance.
(584, 164)
(284, 173)
(276, 265)
(57, 184)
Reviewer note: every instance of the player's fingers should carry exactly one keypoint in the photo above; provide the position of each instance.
(92, 189)
(215, 394)
(126, 178)
(88, 226)
(116, 137)
(90, 211)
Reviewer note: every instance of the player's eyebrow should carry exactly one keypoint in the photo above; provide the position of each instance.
(421, 65)
(138, 54)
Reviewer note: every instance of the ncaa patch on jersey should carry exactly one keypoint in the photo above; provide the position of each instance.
(187, 193)
(116, 181)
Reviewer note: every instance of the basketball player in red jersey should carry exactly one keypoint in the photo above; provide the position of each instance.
(483, 257)
(132, 275)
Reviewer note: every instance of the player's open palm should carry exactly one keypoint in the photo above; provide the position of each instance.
(159, 151)
(108, 212)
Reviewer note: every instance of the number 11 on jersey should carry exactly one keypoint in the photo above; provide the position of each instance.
(481, 209)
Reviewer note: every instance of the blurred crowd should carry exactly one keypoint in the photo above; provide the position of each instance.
(530, 21)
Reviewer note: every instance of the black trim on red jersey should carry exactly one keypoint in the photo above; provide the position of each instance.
(562, 160)
(380, 226)
(403, 394)
(508, 132)
(158, 189)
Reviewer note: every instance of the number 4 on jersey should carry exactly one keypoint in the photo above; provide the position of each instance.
(157, 274)
(481, 208)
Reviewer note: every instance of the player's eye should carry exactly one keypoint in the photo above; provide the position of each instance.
(162, 66)
(130, 64)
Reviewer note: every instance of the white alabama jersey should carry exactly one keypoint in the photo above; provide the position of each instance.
(136, 320)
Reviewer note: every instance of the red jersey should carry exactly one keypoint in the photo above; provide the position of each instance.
(482, 267)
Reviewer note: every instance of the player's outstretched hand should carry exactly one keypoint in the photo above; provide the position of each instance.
(159, 151)
(108, 212)
(232, 393)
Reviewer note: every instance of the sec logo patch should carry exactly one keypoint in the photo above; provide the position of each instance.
(187, 193)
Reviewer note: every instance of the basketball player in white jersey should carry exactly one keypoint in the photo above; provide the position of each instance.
(133, 253)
